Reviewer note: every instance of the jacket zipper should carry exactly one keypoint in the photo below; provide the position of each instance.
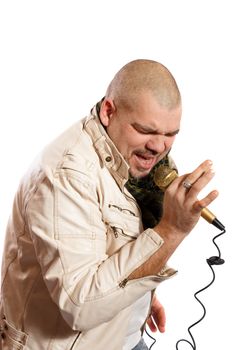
(118, 231)
(122, 284)
(123, 210)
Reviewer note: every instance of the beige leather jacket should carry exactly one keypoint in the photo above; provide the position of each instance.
(74, 237)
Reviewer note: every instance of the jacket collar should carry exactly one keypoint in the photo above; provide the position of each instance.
(111, 158)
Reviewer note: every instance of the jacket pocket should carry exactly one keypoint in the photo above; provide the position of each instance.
(11, 338)
(116, 238)
(123, 226)
(123, 216)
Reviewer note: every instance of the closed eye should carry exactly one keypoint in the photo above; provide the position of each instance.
(149, 131)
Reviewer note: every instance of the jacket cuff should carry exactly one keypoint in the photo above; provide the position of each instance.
(166, 271)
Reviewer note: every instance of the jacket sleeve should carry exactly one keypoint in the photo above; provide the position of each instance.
(69, 236)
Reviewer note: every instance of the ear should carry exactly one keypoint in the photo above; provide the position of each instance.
(107, 110)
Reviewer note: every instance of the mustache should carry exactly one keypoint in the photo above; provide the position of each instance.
(146, 153)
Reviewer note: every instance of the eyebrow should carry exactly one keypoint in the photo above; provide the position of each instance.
(152, 131)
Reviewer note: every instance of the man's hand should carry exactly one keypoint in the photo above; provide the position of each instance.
(181, 207)
(157, 319)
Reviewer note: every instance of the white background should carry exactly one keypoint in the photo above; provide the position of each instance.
(56, 60)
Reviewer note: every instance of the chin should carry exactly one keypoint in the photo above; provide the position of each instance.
(137, 174)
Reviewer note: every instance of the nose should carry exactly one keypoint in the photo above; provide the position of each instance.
(157, 144)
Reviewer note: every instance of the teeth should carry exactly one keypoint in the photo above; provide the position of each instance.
(144, 157)
(145, 161)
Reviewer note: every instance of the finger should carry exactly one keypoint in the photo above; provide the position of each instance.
(200, 204)
(151, 324)
(191, 177)
(161, 328)
(161, 321)
(203, 168)
(197, 186)
(158, 317)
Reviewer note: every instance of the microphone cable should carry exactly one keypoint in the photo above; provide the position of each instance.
(213, 260)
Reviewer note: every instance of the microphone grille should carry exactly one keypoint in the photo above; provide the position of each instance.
(163, 176)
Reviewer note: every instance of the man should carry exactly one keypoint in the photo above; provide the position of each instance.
(88, 242)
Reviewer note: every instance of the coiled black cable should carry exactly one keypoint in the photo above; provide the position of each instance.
(213, 260)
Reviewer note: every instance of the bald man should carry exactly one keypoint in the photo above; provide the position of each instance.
(90, 234)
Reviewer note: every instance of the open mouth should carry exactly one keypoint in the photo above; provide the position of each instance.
(145, 161)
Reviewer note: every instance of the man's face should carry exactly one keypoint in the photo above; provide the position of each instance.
(143, 135)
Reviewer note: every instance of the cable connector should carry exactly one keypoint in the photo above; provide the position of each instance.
(215, 260)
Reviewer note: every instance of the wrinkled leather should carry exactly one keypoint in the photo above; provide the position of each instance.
(74, 236)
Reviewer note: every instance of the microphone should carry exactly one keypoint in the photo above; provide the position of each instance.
(164, 176)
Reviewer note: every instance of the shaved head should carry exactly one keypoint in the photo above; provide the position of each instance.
(141, 114)
(140, 76)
